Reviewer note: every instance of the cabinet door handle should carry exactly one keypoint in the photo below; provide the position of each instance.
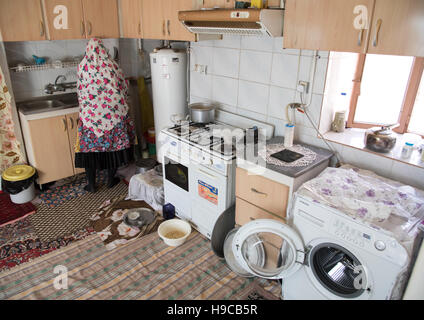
(377, 31)
(139, 28)
(90, 28)
(64, 124)
(71, 122)
(361, 32)
(82, 27)
(168, 27)
(163, 28)
(41, 28)
(258, 192)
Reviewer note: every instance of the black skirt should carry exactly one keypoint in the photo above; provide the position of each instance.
(104, 160)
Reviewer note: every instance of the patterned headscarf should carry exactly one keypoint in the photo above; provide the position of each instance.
(102, 90)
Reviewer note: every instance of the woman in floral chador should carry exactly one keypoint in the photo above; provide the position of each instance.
(105, 131)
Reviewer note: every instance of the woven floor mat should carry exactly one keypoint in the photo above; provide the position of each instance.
(73, 215)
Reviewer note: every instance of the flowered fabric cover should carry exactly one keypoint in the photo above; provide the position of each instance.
(10, 152)
(364, 196)
(104, 124)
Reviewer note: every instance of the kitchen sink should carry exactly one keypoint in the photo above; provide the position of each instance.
(48, 103)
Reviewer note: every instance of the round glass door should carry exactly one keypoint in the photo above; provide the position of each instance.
(338, 270)
(268, 249)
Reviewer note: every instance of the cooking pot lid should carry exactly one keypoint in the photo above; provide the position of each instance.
(201, 106)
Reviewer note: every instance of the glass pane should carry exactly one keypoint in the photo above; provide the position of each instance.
(267, 254)
(383, 88)
(416, 123)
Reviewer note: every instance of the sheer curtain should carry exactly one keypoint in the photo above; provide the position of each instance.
(10, 146)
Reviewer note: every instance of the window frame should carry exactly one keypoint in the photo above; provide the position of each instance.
(408, 100)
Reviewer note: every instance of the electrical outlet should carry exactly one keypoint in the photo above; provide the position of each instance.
(303, 86)
(200, 68)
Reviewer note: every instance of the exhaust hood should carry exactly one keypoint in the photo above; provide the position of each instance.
(252, 22)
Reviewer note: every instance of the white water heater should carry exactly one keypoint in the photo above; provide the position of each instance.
(169, 85)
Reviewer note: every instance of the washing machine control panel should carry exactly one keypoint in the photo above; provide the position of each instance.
(349, 233)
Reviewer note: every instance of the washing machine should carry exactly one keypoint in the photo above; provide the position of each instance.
(321, 253)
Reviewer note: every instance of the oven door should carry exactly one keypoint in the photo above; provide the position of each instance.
(176, 185)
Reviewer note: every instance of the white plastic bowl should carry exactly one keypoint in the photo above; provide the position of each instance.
(174, 225)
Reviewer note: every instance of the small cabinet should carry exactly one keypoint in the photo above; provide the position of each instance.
(326, 25)
(101, 18)
(160, 20)
(397, 28)
(22, 20)
(50, 144)
(131, 22)
(65, 19)
(363, 26)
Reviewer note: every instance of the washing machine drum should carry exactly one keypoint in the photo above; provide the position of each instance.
(264, 248)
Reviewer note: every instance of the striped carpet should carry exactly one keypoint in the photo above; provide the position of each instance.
(143, 269)
(54, 222)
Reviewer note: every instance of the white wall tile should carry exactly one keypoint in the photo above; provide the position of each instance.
(253, 96)
(257, 43)
(279, 125)
(408, 174)
(279, 98)
(202, 56)
(284, 70)
(251, 114)
(256, 66)
(225, 90)
(226, 62)
(228, 41)
(201, 85)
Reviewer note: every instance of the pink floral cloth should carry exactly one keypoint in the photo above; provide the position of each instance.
(102, 94)
(10, 152)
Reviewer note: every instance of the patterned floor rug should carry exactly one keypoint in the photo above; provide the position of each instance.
(22, 251)
(71, 188)
(54, 222)
(11, 212)
(18, 231)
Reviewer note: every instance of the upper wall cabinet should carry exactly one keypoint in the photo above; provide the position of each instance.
(160, 20)
(326, 24)
(398, 28)
(131, 22)
(101, 18)
(65, 19)
(22, 20)
(363, 26)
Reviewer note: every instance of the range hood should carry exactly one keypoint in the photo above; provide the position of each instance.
(252, 22)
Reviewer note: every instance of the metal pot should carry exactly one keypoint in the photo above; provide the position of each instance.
(381, 139)
(202, 112)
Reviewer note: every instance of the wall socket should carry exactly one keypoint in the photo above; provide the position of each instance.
(200, 68)
(303, 86)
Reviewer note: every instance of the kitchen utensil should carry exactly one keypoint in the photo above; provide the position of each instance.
(170, 229)
(139, 217)
(223, 225)
(202, 112)
(381, 139)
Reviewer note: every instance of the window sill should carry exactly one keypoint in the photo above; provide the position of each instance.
(353, 137)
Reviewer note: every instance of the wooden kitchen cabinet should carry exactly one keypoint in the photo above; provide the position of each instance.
(160, 20)
(49, 144)
(75, 19)
(101, 18)
(131, 18)
(49, 148)
(325, 25)
(397, 28)
(22, 20)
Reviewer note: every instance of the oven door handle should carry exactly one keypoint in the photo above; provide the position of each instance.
(207, 174)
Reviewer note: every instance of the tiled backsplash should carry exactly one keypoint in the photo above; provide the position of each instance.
(257, 78)
(31, 84)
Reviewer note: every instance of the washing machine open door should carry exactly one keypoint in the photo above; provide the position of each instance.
(279, 246)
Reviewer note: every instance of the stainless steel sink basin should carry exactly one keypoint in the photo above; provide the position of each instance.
(48, 103)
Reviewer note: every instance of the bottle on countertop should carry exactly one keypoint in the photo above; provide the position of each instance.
(407, 150)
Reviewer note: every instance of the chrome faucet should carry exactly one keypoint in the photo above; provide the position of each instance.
(51, 88)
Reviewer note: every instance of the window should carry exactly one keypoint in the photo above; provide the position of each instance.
(388, 90)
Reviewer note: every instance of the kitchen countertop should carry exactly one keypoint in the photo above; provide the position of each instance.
(294, 172)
